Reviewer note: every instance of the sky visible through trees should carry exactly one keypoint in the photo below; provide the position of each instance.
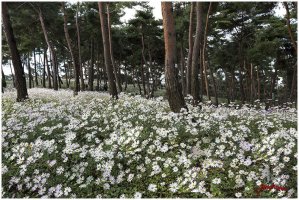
(129, 14)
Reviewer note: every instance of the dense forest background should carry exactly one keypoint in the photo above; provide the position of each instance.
(224, 51)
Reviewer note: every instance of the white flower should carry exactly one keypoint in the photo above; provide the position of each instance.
(130, 177)
(173, 187)
(137, 195)
(67, 190)
(175, 169)
(152, 187)
(60, 170)
(286, 159)
(247, 162)
(106, 186)
(216, 181)
(238, 194)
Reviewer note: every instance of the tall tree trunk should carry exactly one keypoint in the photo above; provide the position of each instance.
(232, 86)
(144, 62)
(3, 81)
(251, 84)
(196, 54)
(73, 56)
(79, 48)
(116, 74)
(182, 64)
(51, 48)
(228, 88)
(29, 72)
(107, 56)
(66, 74)
(98, 68)
(173, 88)
(90, 69)
(204, 51)
(48, 71)
(20, 80)
(273, 83)
(138, 82)
(143, 78)
(126, 78)
(190, 52)
(150, 74)
(35, 72)
(214, 87)
(289, 26)
(294, 81)
(44, 68)
(12, 74)
(258, 84)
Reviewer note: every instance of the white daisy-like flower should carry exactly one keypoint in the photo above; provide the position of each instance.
(137, 195)
(238, 194)
(152, 187)
(216, 181)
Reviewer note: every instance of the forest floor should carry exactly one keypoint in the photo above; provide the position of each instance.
(58, 145)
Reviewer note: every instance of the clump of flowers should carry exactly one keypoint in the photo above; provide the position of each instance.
(55, 145)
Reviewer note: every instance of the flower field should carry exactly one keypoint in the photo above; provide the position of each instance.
(57, 145)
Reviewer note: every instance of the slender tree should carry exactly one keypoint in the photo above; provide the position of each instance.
(189, 61)
(79, 47)
(72, 52)
(12, 74)
(204, 51)
(20, 80)
(173, 88)
(117, 76)
(50, 46)
(106, 46)
(196, 54)
(91, 67)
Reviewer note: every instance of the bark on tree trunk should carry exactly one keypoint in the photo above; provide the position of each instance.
(173, 88)
(294, 81)
(143, 78)
(196, 54)
(79, 48)
(182, 60)
(189, 61)
(20, 80)
(289, 26)
(228, 88)
(35, 72)
(44, 69)
(29, 72)
(116, 74)
(204, 51)
(51, 48)
(214, 87)
(90, 69)
(144, 63)
(258, 84)
(251, 84)
(273, 84)
(3, 81)
(12, 74)
(98, 68)
(48, 72)
(66, 74)
(232, 86)
(126, 78)
(105, 37)
(73, 56)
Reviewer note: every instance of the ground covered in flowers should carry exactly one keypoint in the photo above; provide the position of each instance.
(57, 145)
